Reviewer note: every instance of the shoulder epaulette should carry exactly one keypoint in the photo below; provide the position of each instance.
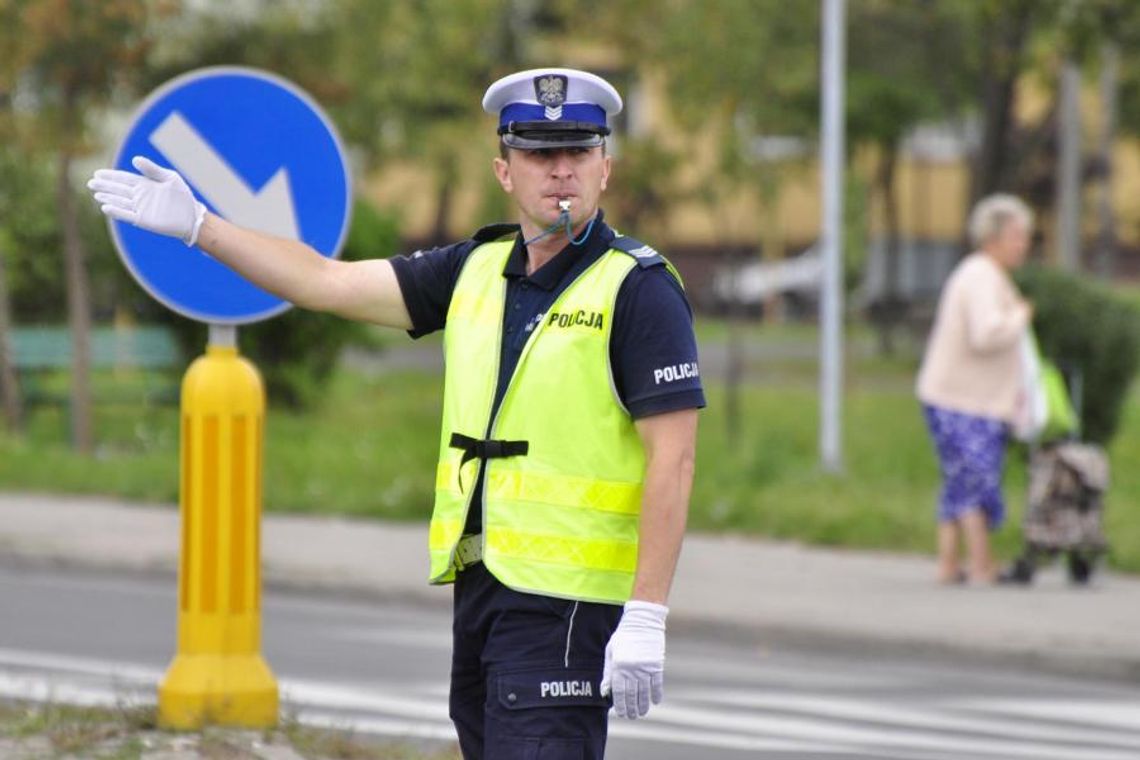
(645, 255)
(494, 232)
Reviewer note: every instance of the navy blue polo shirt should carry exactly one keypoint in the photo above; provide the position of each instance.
(653, 351)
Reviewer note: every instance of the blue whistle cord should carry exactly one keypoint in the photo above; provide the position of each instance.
(585, 232)
(563, 220)
(548, 230)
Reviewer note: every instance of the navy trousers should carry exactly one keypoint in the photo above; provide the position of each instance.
(526, 671)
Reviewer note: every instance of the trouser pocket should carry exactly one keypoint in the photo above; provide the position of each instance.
(549, 713)
(530, 748)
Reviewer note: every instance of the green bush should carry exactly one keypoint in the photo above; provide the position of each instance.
(1090, 333)
(297, 351)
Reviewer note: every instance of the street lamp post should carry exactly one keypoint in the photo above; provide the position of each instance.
(831, 292)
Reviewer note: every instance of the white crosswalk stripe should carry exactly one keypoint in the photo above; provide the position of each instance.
(889, 723)
(935, 717)
(1098, 713)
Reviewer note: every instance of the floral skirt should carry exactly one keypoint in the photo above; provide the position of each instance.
(971, 453)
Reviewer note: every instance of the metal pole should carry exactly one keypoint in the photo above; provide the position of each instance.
(1068, 169)
(223, 336)
(1109, 84)
(831, 297)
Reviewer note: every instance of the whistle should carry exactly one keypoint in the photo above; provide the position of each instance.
(564, 205)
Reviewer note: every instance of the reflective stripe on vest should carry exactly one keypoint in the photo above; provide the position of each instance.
(561, 519)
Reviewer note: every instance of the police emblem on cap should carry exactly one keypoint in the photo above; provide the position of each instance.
(550, 90)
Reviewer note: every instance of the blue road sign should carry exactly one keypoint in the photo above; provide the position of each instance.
(259, 152)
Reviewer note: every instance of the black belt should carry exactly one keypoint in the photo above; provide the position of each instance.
(473, 448)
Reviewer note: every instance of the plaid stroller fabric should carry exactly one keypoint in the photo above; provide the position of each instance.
(1067, 483)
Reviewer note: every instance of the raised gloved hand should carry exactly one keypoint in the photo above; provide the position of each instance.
(635, 659)
(158, 200)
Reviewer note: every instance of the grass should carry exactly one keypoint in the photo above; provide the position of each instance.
(769, 482)
(68, 729)
(346, 744)
(369, 451)
(130, 732)
(716, 329)
(361, 453)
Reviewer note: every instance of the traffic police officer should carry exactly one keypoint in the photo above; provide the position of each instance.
(569, 416)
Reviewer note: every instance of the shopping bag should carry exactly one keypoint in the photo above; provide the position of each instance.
(1046, 412)
(1033, 406)
(1061, 418)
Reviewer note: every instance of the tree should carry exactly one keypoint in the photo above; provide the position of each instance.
(413, 71)
(1107, 33)
(1019, 37)
(645, 187)
(1005, 41)
(74, 53)
(400, 80)
(895, 53)
(9, 386)
(10, 401)
(1093, 335)
(736, 71)
(999, 59)
(28, 228)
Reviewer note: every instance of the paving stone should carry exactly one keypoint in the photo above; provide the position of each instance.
(31, 748)
(276, 752)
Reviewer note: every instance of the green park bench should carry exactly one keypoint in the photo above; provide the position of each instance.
(41, 354)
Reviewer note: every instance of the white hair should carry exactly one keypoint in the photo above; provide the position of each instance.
(993, 213)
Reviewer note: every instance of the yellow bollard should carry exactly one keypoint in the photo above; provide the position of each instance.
(218, 675)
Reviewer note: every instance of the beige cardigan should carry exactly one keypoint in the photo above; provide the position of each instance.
(973, 358)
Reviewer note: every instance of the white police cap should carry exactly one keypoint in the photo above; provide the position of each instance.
(547, 108)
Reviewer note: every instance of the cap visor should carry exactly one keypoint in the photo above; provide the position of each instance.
(553, 140)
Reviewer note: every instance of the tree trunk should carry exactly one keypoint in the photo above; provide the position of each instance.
(772, 243)
(890, 302)
(997, 104)
(1106, 235)
(445, 194)
(9, 382)
(734, 359)
(78, 307)
(1003, 64)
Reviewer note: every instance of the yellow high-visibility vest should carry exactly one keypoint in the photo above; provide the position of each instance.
(564, 463)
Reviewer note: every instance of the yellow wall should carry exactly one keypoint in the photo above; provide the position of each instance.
(932, 195)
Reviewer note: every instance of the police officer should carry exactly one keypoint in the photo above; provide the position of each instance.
(569, 416)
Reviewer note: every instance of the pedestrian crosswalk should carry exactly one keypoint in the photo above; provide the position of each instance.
(889, 713)
(860, 727)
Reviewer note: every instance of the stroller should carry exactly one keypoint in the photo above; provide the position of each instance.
(1067, 483)
(1065, 506)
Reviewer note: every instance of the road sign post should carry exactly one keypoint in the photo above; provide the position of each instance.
(219, 675)
(260, 153)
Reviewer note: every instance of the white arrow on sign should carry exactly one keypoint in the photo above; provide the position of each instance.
(268, 210)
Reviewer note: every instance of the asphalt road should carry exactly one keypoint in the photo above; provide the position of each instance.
(382, 668)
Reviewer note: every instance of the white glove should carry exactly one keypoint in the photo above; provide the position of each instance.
(635, 659)
(158, 200)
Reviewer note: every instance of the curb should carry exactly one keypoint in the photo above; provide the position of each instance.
(774, 635)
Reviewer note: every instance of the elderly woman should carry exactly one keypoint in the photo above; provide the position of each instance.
(970, 383)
